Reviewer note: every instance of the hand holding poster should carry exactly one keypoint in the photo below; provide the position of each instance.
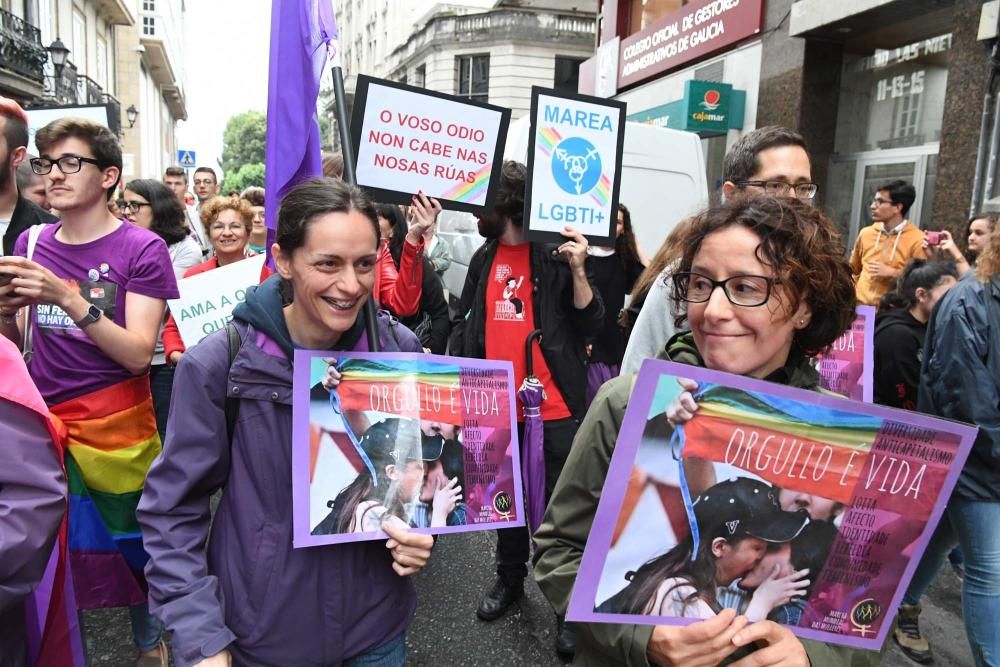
(574, 166)
(423, 441)
(208, 299)
(810, 510)
(848, 367)
(409, 140)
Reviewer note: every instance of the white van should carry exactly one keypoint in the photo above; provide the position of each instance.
(663, 181)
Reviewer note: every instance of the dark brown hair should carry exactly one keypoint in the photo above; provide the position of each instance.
(802, 247)
(102, 142)
(253, 195)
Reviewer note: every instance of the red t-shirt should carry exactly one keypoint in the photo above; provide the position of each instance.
(510, 319)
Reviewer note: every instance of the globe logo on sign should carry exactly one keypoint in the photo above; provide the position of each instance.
(711, 100)
(576, 165)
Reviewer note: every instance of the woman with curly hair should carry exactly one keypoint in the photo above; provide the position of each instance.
(228, 222)
(762, 284)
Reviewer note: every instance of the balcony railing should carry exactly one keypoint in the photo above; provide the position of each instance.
(63, 88)
(21, 49)
(88, 91)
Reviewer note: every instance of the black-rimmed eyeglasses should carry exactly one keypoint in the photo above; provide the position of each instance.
(783, 189)
(746, 291)
(130, 206)
(68, 164)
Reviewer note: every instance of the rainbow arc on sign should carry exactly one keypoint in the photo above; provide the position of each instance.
(467, 191)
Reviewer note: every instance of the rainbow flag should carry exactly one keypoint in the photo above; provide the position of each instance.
(471, 190)
(406, 388)
(783, 441)
(546, 140)
(112, 443)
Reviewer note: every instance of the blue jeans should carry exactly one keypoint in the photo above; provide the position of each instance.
(973, 525)
(390, 654)
(161, 385)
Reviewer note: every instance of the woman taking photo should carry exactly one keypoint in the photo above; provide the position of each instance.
(248, 597)
(228, 222)
(431, 322)
(152, 205)
(763, 285)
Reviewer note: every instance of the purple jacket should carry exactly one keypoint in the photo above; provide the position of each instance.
(32, 502)
(249, 590)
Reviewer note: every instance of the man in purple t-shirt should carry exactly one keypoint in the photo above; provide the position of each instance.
(89, 301)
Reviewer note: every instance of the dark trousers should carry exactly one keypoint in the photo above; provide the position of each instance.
(161, 384)
(514, 544)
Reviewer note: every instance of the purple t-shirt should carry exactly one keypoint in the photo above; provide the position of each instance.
(65, 363)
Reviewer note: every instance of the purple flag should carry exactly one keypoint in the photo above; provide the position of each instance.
(301, 34)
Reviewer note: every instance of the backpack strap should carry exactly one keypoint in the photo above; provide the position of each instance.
(232, 403)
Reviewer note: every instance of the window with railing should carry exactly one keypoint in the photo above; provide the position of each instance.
(473, 77)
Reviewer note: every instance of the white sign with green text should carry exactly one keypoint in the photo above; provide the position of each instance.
(207, 300)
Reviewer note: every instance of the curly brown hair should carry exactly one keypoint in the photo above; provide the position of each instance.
(805, 251)
(988, 264)
(211, 209)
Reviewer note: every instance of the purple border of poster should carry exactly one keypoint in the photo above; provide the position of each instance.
(581, 606)
(300, 454)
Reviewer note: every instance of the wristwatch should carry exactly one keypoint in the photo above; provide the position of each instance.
(93, 314)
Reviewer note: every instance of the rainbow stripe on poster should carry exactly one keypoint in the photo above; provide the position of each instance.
(547, 139)
(601, 193)
(783, 441)
(407, 388)
(471, 191)
(112, 443)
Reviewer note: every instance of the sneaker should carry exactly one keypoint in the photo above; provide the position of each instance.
(160, 660)
(499, 599)
(907, 635)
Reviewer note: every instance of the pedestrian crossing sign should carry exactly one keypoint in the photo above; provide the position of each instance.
(186, 159)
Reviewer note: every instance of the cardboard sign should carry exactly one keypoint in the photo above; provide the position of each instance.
(850, 491)
(207, 300)
(407, 140)
(574, 166)
(424, 441)
(848, 367)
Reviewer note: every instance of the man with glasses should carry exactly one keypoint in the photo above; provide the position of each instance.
(769, 160)
(176, 179)
(17, 213)
(85, 299)
(206, 184)
(885, 247)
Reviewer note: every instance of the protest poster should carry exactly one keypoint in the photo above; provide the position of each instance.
(574, 166)
(207, 300)
(408, 140)
(848, 367)
(782, 493)
(421, 440)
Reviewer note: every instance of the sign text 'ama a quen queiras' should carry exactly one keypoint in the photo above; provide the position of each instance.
(409, 140)
(574, 166)
(700, 28)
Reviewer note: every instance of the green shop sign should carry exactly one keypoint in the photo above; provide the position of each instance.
(708, 108)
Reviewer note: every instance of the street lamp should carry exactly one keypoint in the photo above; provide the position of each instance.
(131, 113)
(58, 53)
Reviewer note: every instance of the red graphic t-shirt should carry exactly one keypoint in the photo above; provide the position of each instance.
(510, 319)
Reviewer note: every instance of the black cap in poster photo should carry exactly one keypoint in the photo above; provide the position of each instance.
(748, 507)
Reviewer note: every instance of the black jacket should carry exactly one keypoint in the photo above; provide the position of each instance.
(960, 377)
(26, 214)
(899, 342)
(435, 308)
(564, 327)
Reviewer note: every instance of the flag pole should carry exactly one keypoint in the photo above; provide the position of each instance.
(347, 151)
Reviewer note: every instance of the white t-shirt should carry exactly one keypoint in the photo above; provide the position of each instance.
(4, 224)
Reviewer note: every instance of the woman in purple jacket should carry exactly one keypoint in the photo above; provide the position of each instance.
(248, 597)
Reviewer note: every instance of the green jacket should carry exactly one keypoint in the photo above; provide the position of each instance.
(562, 536)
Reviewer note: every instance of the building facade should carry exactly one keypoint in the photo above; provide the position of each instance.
(486, 50)
(865, 81)
(122, 54)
